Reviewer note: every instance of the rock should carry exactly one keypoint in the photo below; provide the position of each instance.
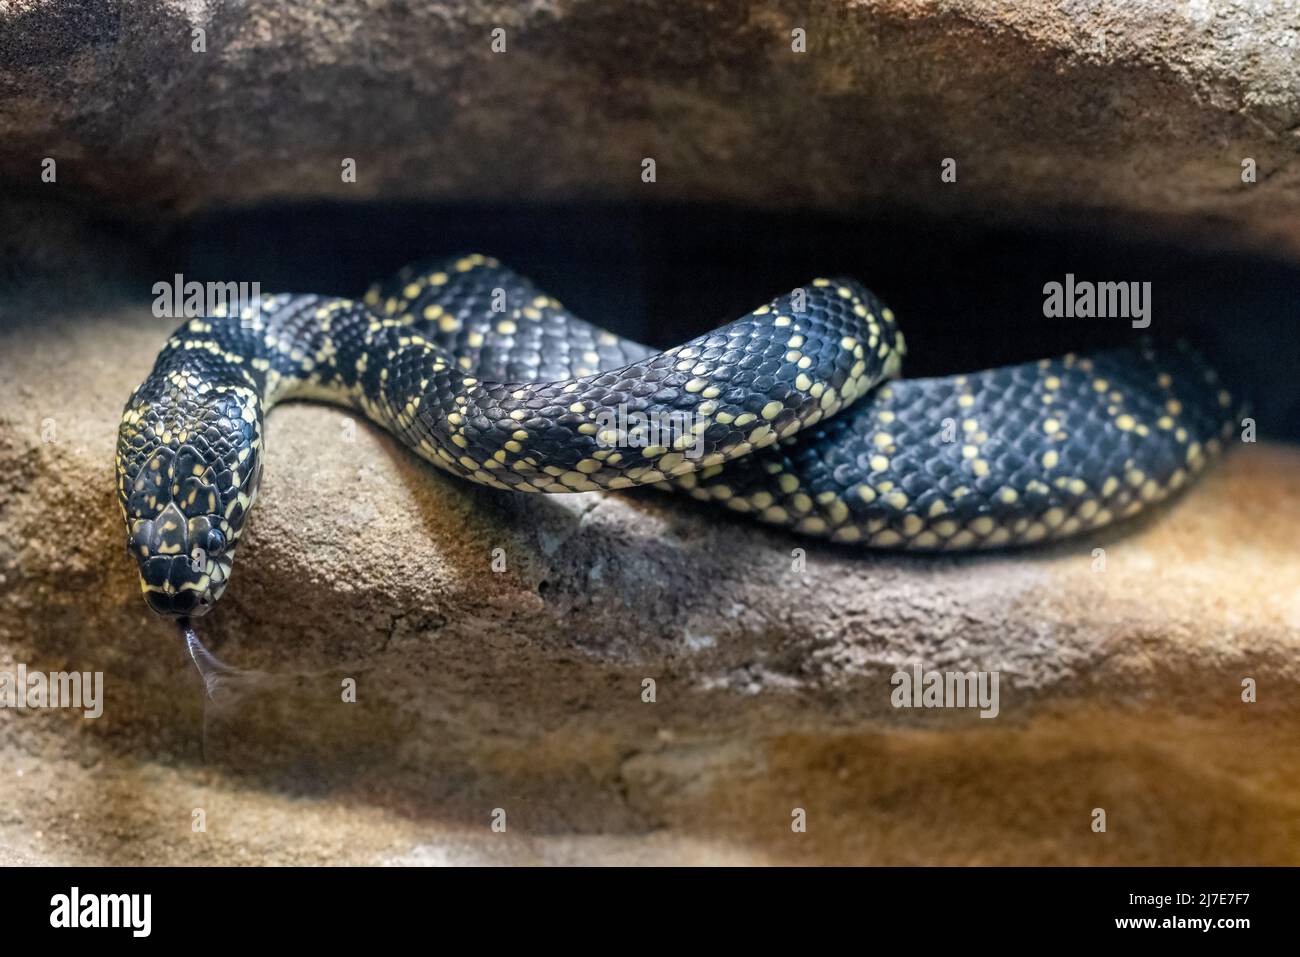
(1115, 115)
(523, 690)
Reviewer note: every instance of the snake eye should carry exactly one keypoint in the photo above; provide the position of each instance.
(216, 542)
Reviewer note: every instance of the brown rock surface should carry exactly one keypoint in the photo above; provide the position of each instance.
(1121, 113)
(522, 690)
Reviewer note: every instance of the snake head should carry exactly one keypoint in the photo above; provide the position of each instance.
(184, 497)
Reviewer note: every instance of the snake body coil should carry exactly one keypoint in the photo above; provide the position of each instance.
(476, 370)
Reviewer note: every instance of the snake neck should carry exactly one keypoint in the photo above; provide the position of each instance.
(190, 444)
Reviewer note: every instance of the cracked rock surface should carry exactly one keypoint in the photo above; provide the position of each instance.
(1122, 113)
(524, 689)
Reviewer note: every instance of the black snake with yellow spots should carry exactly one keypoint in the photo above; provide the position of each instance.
(476, 370)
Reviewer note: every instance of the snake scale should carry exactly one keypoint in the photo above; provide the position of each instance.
(793, 414)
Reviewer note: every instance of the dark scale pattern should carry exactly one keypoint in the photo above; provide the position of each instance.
(497, 324)
(1008, 456)
(477, 370)
(719, 397)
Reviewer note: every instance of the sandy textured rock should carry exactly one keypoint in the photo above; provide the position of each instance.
(1118, 113)
(522, 690)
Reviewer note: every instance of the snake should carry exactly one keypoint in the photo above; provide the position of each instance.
(795, 414)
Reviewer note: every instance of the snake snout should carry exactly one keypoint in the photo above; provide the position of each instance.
(179, 605)
(177, 586)
(183, 563)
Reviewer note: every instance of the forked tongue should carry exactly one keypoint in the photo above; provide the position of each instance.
(258, 720)
(217, 676)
